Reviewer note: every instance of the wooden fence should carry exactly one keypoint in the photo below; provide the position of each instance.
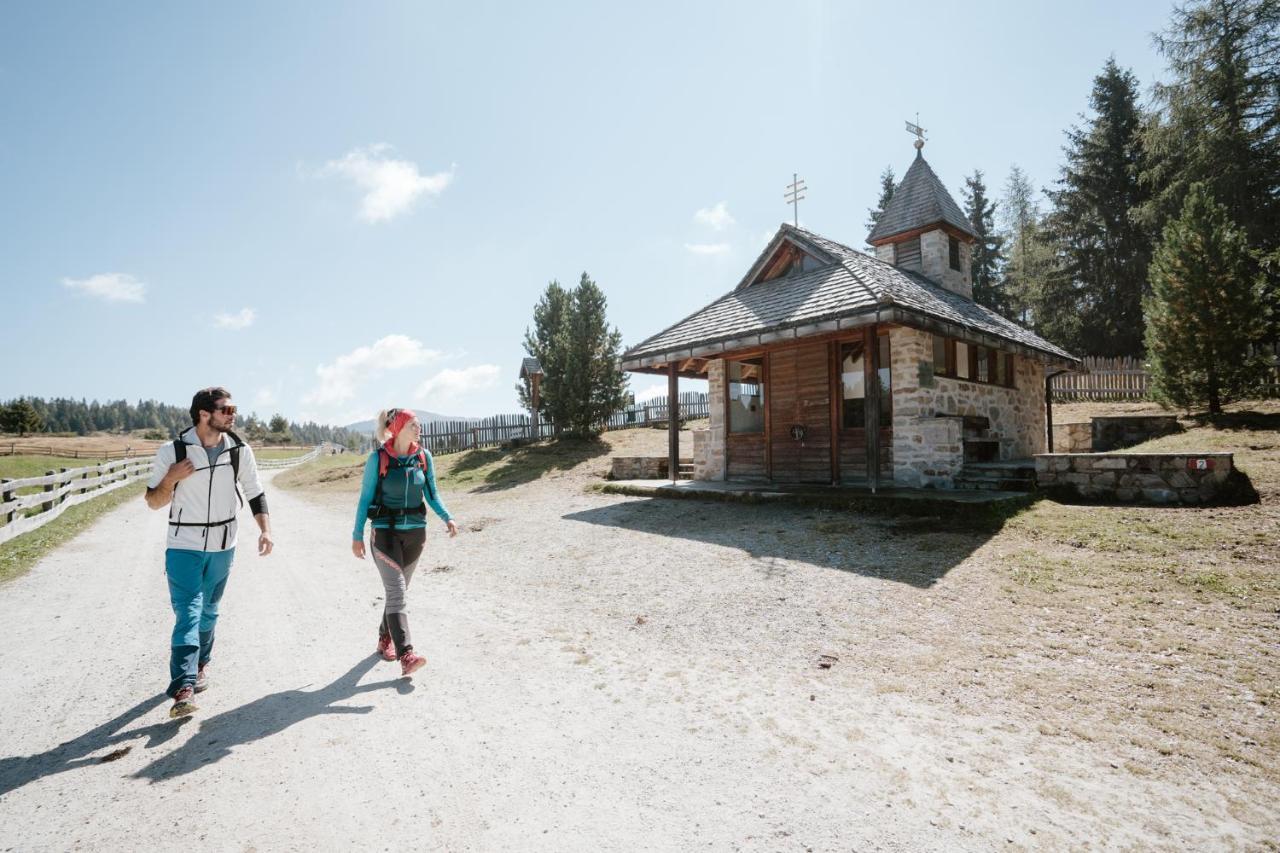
(442, 437)
(61, 490)
(1127, 379)
(12, 448)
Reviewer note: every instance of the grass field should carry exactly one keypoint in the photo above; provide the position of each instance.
(20, 554)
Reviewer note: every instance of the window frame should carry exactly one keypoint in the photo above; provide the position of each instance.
(953, 252)
(994, 358)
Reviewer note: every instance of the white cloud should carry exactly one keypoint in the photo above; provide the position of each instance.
(242, 319)
(111, 286)
(338, 381)
(717, 217)
(644, 395)
(451, 383)
(390, 186)
(708, 248)
(264, 397)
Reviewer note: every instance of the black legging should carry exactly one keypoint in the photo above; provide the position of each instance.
(396, 553)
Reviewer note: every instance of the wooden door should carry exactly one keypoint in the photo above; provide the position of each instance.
(800, 414)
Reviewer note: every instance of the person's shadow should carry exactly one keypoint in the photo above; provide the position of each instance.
(17, 771)
(264, 717)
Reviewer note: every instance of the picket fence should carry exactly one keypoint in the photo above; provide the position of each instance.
(443, 437)
(1128, 379)
(61, 490)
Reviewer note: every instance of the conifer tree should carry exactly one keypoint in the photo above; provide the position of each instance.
(21, 417)
(1098, 240)
(988, 257)
(1019, 217)
(571, 338)
(1205, 310)
(886, 194)
(1219, 122)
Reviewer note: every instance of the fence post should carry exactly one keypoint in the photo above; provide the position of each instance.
(7, 496)
(475, 437)
(48, 487)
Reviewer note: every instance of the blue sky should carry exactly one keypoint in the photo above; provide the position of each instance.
(334, 208)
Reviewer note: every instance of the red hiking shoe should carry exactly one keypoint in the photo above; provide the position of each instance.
(386, 648)
(183, 704)
(411, 663)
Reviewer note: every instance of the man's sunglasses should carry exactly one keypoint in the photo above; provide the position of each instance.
(229, 411)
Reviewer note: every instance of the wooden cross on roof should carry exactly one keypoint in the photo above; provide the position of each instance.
(793, 195)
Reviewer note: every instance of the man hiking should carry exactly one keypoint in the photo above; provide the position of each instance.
(198, 477)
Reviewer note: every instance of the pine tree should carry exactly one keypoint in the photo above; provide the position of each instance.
(1206, 307)
(21, 417)
(1019, 219)
(1097, 238)
(886, 193)
(1219, 122)
(988, 257)
(571, 339)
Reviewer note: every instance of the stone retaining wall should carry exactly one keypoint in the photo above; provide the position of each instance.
(1162, 478)
(641, 468)
(1073, 438)
(1112, 432)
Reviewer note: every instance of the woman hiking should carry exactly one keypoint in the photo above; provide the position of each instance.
(399, 484)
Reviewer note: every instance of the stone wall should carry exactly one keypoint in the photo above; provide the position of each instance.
(641, 468)
(1112, 432)
(1163, 478)
(1073, 438)
(935, 261)
(927, 450)
(709, 458)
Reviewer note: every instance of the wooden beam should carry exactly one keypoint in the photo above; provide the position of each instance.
(871, 384)
(837, 404)
(766, 378)
(673, 422)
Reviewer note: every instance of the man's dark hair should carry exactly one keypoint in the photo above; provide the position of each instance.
(205, 400)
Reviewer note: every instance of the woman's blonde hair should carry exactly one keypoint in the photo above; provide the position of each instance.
(381, 430)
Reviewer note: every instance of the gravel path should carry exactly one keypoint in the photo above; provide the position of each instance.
(604, 673)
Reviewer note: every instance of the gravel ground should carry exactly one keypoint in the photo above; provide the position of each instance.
(605, 673)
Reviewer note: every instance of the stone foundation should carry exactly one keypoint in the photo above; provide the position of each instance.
(1162, 478)
(927, 449)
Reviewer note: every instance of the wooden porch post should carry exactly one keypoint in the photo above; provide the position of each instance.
(673, 422)
(871, 377)
(536, 422)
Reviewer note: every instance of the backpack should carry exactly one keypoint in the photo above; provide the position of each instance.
(180, 453)
(382, 508)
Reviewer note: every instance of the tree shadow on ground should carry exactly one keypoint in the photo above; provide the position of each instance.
(16, 772)
(914, 549)
(1239, 421)
(520, 465)
(265, 717)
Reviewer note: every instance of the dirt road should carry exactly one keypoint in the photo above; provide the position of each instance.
(595, 682)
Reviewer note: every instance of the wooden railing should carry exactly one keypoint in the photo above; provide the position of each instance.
(61, 490)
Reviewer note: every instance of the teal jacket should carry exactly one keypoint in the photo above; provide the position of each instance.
(424, 485)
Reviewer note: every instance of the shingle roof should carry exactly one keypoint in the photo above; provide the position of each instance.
(529, 366)
(918, 201)
(854, 284)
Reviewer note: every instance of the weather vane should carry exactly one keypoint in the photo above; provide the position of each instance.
(918, 131)
(795, 192)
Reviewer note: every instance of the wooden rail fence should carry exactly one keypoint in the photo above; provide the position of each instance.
(442, 437)
(61, 490)
(1127, 379)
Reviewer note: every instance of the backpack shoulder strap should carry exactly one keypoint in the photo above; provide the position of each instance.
(237, 443)
(179, 450)
(384, 462)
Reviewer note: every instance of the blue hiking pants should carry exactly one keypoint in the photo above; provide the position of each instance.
(197, 580)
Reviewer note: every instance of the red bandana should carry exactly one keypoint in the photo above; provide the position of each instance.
(401, 418)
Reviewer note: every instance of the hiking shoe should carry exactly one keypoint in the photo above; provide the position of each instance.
(386, 648)
(202, 679)
(183, 704)
(411, 663)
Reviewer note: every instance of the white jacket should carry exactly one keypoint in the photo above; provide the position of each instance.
(202, 516)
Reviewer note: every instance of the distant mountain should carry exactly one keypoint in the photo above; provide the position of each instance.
(366, 427)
